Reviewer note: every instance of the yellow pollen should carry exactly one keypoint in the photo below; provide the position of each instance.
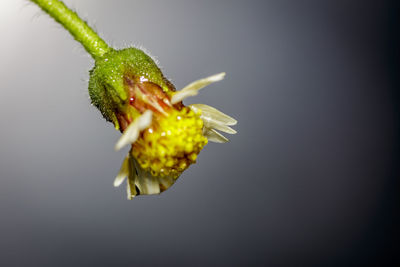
(172, 144)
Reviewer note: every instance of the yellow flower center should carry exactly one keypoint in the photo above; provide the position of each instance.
(171, 144)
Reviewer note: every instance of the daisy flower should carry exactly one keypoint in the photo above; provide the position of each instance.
(129, 89)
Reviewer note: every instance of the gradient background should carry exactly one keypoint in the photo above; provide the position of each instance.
(310, 179)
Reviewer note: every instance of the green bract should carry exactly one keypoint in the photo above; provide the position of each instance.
(107, 88)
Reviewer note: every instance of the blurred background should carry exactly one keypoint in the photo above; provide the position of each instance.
(310, 179)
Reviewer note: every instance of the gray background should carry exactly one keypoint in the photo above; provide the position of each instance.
(310, 178)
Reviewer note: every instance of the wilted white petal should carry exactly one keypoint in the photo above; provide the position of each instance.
(129, 136)
(146, 183)
(144, 120)
(220, 127)
(131, 133)
(130, 189)
(214, 136)
(214, 114)
(129, 194)
(132, 177)
(193, 88)
(123, 172)
(197, 85)
(180, 95)
(166, 182)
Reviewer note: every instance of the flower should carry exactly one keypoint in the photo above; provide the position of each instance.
(131, 92)
(165, 135)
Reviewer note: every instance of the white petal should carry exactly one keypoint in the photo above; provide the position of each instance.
(146, 183)
(132, 177)
(131, 133)
(130, 186)
(221, 127)
(129, 194)
(129, 136)
(145, 120)
(123, 172)
(193, 88)
(197, 85)
(214, 114)
(211, 123)
(180, 95)
(166, 182)
(214, 136)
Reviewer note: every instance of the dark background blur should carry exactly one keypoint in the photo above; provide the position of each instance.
(311, 178)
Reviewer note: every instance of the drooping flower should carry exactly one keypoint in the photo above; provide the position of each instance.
(130, 91)
(165, 135)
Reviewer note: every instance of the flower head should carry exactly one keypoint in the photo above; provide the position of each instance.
(165, 136)
(130, 91)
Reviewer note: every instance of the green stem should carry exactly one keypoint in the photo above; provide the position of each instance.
(79, 29)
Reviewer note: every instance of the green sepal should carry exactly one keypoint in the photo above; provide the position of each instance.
(107, 88)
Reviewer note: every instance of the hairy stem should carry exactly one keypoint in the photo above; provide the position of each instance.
(79, 29)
